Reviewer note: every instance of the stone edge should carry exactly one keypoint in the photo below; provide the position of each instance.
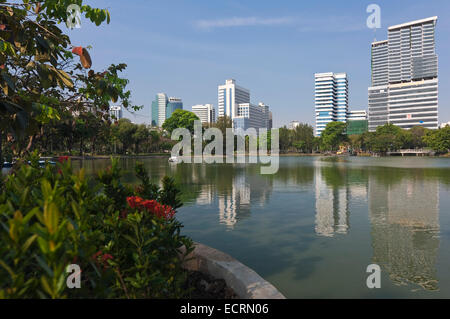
(245, 282)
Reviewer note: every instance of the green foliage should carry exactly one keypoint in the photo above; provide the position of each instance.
(333, 136)
(438, 140)
(180, 119)
(300, 139)
(391, 138)
(42, 83)
(51, 217)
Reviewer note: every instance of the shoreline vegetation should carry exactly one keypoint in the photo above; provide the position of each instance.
(288, 154)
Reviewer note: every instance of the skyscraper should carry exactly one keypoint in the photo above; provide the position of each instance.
(404, 88)
(331, 99)
(173, 104)
(163, 107)
(116, 112)
(251, 116)
(230, 96)
(205, 112)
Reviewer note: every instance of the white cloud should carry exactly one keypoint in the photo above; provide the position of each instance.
(303, 24)
(242, 22)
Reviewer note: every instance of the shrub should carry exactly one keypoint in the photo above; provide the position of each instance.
(52, 217)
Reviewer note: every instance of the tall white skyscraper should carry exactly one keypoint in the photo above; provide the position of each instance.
(404, 88)
(331, 99)
(205, 112)
(161, 100)
(230, 96)
(116, 112)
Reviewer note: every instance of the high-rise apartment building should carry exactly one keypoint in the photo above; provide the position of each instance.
(205, 112)
(234, 102)
(404, 88)
(331, 99)
(116, 112)
(293, 125)
(230, 96)
(358, 115)
(251, 116)
(163, 107)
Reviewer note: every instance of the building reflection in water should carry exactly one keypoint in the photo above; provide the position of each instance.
(405, 229)
(238, 192)
(403, 211)
(332, 197)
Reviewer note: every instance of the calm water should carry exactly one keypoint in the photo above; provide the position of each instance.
(314, 227)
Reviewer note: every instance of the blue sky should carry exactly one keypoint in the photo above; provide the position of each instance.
(273, 48)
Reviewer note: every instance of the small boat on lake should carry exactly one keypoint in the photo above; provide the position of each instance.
(7, 165)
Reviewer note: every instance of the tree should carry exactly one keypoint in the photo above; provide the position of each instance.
(333, 136)
(285, 139)
(40, 79)
(417, 133)
(388, 137)
(303, 136)
(438, 140)
(180, 119)
(140, 135)
(124, 132)
(222, 124)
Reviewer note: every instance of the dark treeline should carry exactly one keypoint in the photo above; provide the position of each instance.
(90, 135)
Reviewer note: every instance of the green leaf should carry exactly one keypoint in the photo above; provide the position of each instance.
(28, 243)
(8, 80)
(8, 269)
(44, 265)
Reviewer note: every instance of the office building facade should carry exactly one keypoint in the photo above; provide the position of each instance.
(404, 89)
(357, 115)
(205, 112)
(251, 116)
(234, 102)
(163, 107)
(293, 125)
(116, 112)
(230, 96)
(331, 99)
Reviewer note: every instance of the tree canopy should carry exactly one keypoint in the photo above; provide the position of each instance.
(333, 135)
(41, 77)
(180, 119)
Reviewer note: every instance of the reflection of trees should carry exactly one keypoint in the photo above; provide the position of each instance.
(405, 222)
(297, 174)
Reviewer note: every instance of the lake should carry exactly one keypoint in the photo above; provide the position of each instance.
(314, 227)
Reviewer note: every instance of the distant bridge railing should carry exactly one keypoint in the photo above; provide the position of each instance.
(419, 151)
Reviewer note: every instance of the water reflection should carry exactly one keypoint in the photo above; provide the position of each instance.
(332, 213)
(403, 208)
(405, 225)
(389, 206)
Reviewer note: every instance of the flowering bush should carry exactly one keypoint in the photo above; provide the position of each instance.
(151, 206)
(125, 245)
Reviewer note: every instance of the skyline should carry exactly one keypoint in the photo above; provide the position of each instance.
(206, 43)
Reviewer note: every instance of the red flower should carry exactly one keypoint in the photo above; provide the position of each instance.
(63, 159)
(99, 256)
(152, 206)
(106, 257)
